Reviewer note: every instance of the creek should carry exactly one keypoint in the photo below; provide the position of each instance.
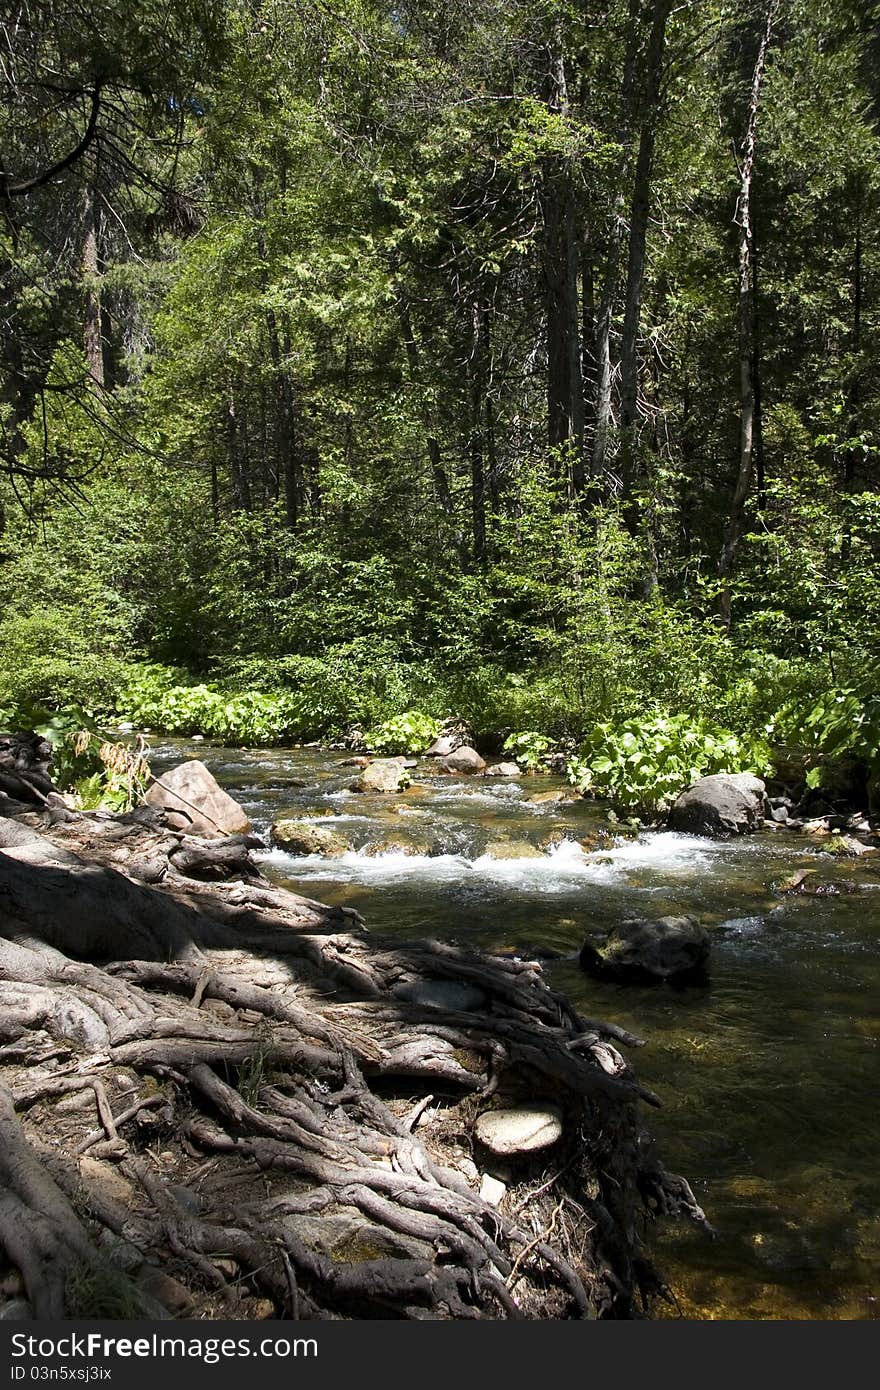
(768, 1074)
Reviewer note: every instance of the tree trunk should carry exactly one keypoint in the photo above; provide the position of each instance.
(745, 327)
(602, 413)
(435, 458)
(91, 279)
(565, 392)
(241, 489)
(291, 466)
(638, 234)
(477, 440)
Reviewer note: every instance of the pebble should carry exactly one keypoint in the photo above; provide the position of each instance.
(492, 1189)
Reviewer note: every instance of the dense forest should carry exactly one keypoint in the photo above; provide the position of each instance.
(366, 365)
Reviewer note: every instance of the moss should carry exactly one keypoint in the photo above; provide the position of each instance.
(469, 1060)
(357, 1249)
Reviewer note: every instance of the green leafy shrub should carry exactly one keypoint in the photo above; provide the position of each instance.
(50, 661)
(244, 718)
(841, 722)
(528, 748)
(410, 733)
(643, 764)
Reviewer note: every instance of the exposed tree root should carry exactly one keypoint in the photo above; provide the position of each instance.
(226, 1100)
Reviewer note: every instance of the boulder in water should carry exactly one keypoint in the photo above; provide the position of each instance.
(502, 770)
(193, 800)
(720, 805)
(299, 837)
(382, 775)
(463, 759)
(666, 949)
(453, 734)
(416, 846)
(847, 847)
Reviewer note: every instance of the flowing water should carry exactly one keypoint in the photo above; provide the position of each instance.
(768, 1074)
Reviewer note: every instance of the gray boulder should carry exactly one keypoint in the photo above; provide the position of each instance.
(382, 775)
(666, 949)
(464, 759)
(503, 770)
(721, 805)
(193, 800)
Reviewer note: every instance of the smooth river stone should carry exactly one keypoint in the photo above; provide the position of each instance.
(522, 1129)
(512, 849)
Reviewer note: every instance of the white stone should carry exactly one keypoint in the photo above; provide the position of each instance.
(382, 775)
(521, 1129)
(492, 1189)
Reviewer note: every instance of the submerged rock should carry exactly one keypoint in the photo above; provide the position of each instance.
(847, 847)
(299, 837)
(520, 1129)
(665, 949)
(390, 845)
(382, 775)
(512, 849)
(720, 805)
(193, 800)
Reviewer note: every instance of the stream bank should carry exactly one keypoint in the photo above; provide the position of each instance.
(768, 1074)
(295, 1117)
